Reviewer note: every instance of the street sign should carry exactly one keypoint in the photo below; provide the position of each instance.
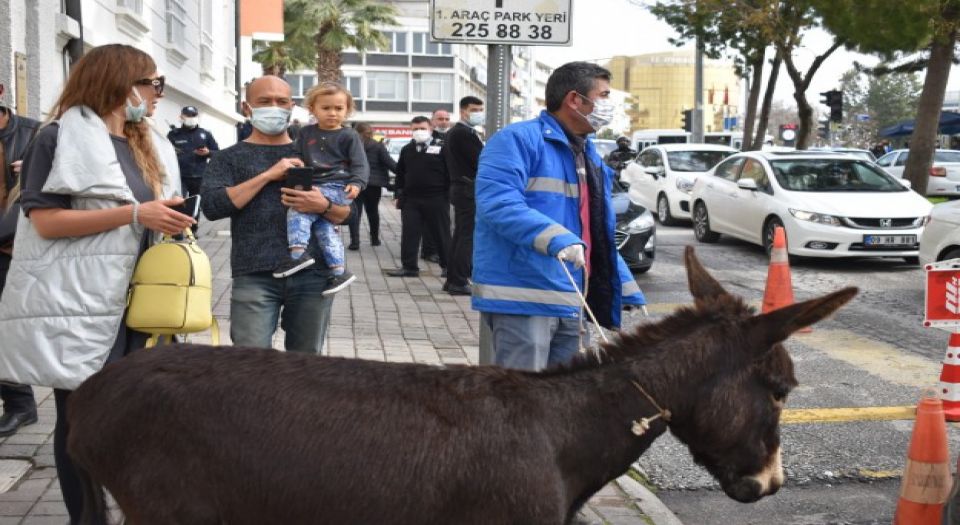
(942, 303)
(522, 22)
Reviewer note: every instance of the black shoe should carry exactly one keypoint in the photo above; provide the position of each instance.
(374, 241)
(402, 272)
(11, 421)
(338, 282)
(454, 289)
(434, 258)
(354, 245)
(291, 266)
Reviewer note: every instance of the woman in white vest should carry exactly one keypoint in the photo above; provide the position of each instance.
(95, 183)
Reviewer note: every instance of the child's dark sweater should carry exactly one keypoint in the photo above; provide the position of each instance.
(341, 149)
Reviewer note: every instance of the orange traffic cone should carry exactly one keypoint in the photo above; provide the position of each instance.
(779, 290)
(950, 379)
(926, 480)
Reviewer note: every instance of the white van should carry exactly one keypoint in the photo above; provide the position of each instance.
(643, 138)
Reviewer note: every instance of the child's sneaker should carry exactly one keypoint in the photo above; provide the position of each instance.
(291, 266)
(338, 282)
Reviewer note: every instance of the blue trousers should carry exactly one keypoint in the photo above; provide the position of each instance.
(259, 300)
(301, 225)
(533, 342)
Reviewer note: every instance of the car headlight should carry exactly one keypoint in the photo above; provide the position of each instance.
(921, 221)
(642, 223)
(819, 218)
(685, 185)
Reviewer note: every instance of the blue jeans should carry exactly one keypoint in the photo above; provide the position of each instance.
(259, 300)
(532, 342)
(301, 225)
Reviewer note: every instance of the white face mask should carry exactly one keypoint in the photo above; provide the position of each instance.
(602, 113)
(477, 118)
(422, 135)
(190, 122)
(270, 120)
(135, 113)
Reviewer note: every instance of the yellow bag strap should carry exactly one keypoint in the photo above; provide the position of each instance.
(156, 339)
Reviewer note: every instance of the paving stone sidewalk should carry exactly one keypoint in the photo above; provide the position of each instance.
(377, 317)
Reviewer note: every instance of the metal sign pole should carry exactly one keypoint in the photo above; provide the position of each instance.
(697, 136)
(498, 116)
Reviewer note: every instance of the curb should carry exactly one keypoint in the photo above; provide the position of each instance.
(649, 504)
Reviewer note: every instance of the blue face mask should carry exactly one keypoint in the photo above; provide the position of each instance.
(136, 113)
(270, 120)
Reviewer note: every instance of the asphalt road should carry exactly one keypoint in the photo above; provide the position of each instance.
(873, 352)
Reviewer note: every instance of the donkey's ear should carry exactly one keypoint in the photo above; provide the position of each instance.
(773, 327)
(702, 284)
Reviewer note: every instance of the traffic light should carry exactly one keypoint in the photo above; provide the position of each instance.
(688, 120)
(834, 99)
(824, 130)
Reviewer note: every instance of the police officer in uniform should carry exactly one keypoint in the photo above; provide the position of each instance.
(194, 146)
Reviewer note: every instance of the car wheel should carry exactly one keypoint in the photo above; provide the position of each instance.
(954, 253)
(915, 261)
(701, 224)
(640, 270)
(663, 211)
(768, 232)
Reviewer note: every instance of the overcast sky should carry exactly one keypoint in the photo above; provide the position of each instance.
(604, 28)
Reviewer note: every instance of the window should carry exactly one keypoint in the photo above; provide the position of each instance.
(396, 42)
(382, 85)
(432, 87)
(134, 5)
(729, 169)
(176, 22)
(753, 169)
(353, 85)
(650, 158)
(423, 46)
(886, 160)
(695, 160)
(902, 159)
(300, 84)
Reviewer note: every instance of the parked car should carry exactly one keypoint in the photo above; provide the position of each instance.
(830, 204)
(604, 147)
(662, 176)
(941, 237)
(636, 233)
(393, 148)
(944, 176)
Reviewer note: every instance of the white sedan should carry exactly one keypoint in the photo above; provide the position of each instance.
(662, 176)
(941, 238)
(944, 176)
(831, 205)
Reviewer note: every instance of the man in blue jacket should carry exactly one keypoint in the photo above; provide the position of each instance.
(543, 202)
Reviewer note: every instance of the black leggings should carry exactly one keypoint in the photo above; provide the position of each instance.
(368, 199)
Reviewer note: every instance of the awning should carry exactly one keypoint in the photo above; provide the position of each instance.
(949, 125)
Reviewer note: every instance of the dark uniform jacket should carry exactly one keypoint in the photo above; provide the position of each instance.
(421, 171)
(462, 154)
(185, 140)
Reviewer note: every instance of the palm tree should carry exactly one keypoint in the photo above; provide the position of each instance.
(322, 29)
(274, 58)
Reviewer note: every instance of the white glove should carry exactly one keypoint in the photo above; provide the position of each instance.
(573, 254)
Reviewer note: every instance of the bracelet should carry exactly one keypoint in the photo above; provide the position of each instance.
(329, 205)
(136, 214)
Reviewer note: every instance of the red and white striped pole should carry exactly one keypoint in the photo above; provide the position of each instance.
(950, 379)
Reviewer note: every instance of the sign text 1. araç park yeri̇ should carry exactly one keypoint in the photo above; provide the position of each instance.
(522, 22)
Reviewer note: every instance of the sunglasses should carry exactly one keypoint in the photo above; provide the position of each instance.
(157, 83)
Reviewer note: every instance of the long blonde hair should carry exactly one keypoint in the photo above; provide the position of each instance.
(102, 80)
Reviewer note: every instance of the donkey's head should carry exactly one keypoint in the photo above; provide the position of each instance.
(729, 417)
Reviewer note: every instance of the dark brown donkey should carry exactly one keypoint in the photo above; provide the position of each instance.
(203, 435)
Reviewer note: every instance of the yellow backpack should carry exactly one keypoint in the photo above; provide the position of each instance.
(171, 290)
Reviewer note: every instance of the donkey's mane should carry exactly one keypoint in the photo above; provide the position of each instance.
(647, 338)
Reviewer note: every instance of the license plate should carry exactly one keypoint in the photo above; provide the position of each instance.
(889, 240)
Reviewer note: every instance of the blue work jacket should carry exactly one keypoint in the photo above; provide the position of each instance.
(528, 209)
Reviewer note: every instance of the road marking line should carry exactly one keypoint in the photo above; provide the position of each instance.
(878, 359)
(838, 415)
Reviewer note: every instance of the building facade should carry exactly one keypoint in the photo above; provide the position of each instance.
(192, 41)
(662, 87)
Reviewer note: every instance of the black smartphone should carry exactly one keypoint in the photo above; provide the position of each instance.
(299, 178)
(190, 206)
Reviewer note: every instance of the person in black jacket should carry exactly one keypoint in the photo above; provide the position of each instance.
(422, 196)
(194, 146)
(19, 405)
(380, 162)
(462, 153)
